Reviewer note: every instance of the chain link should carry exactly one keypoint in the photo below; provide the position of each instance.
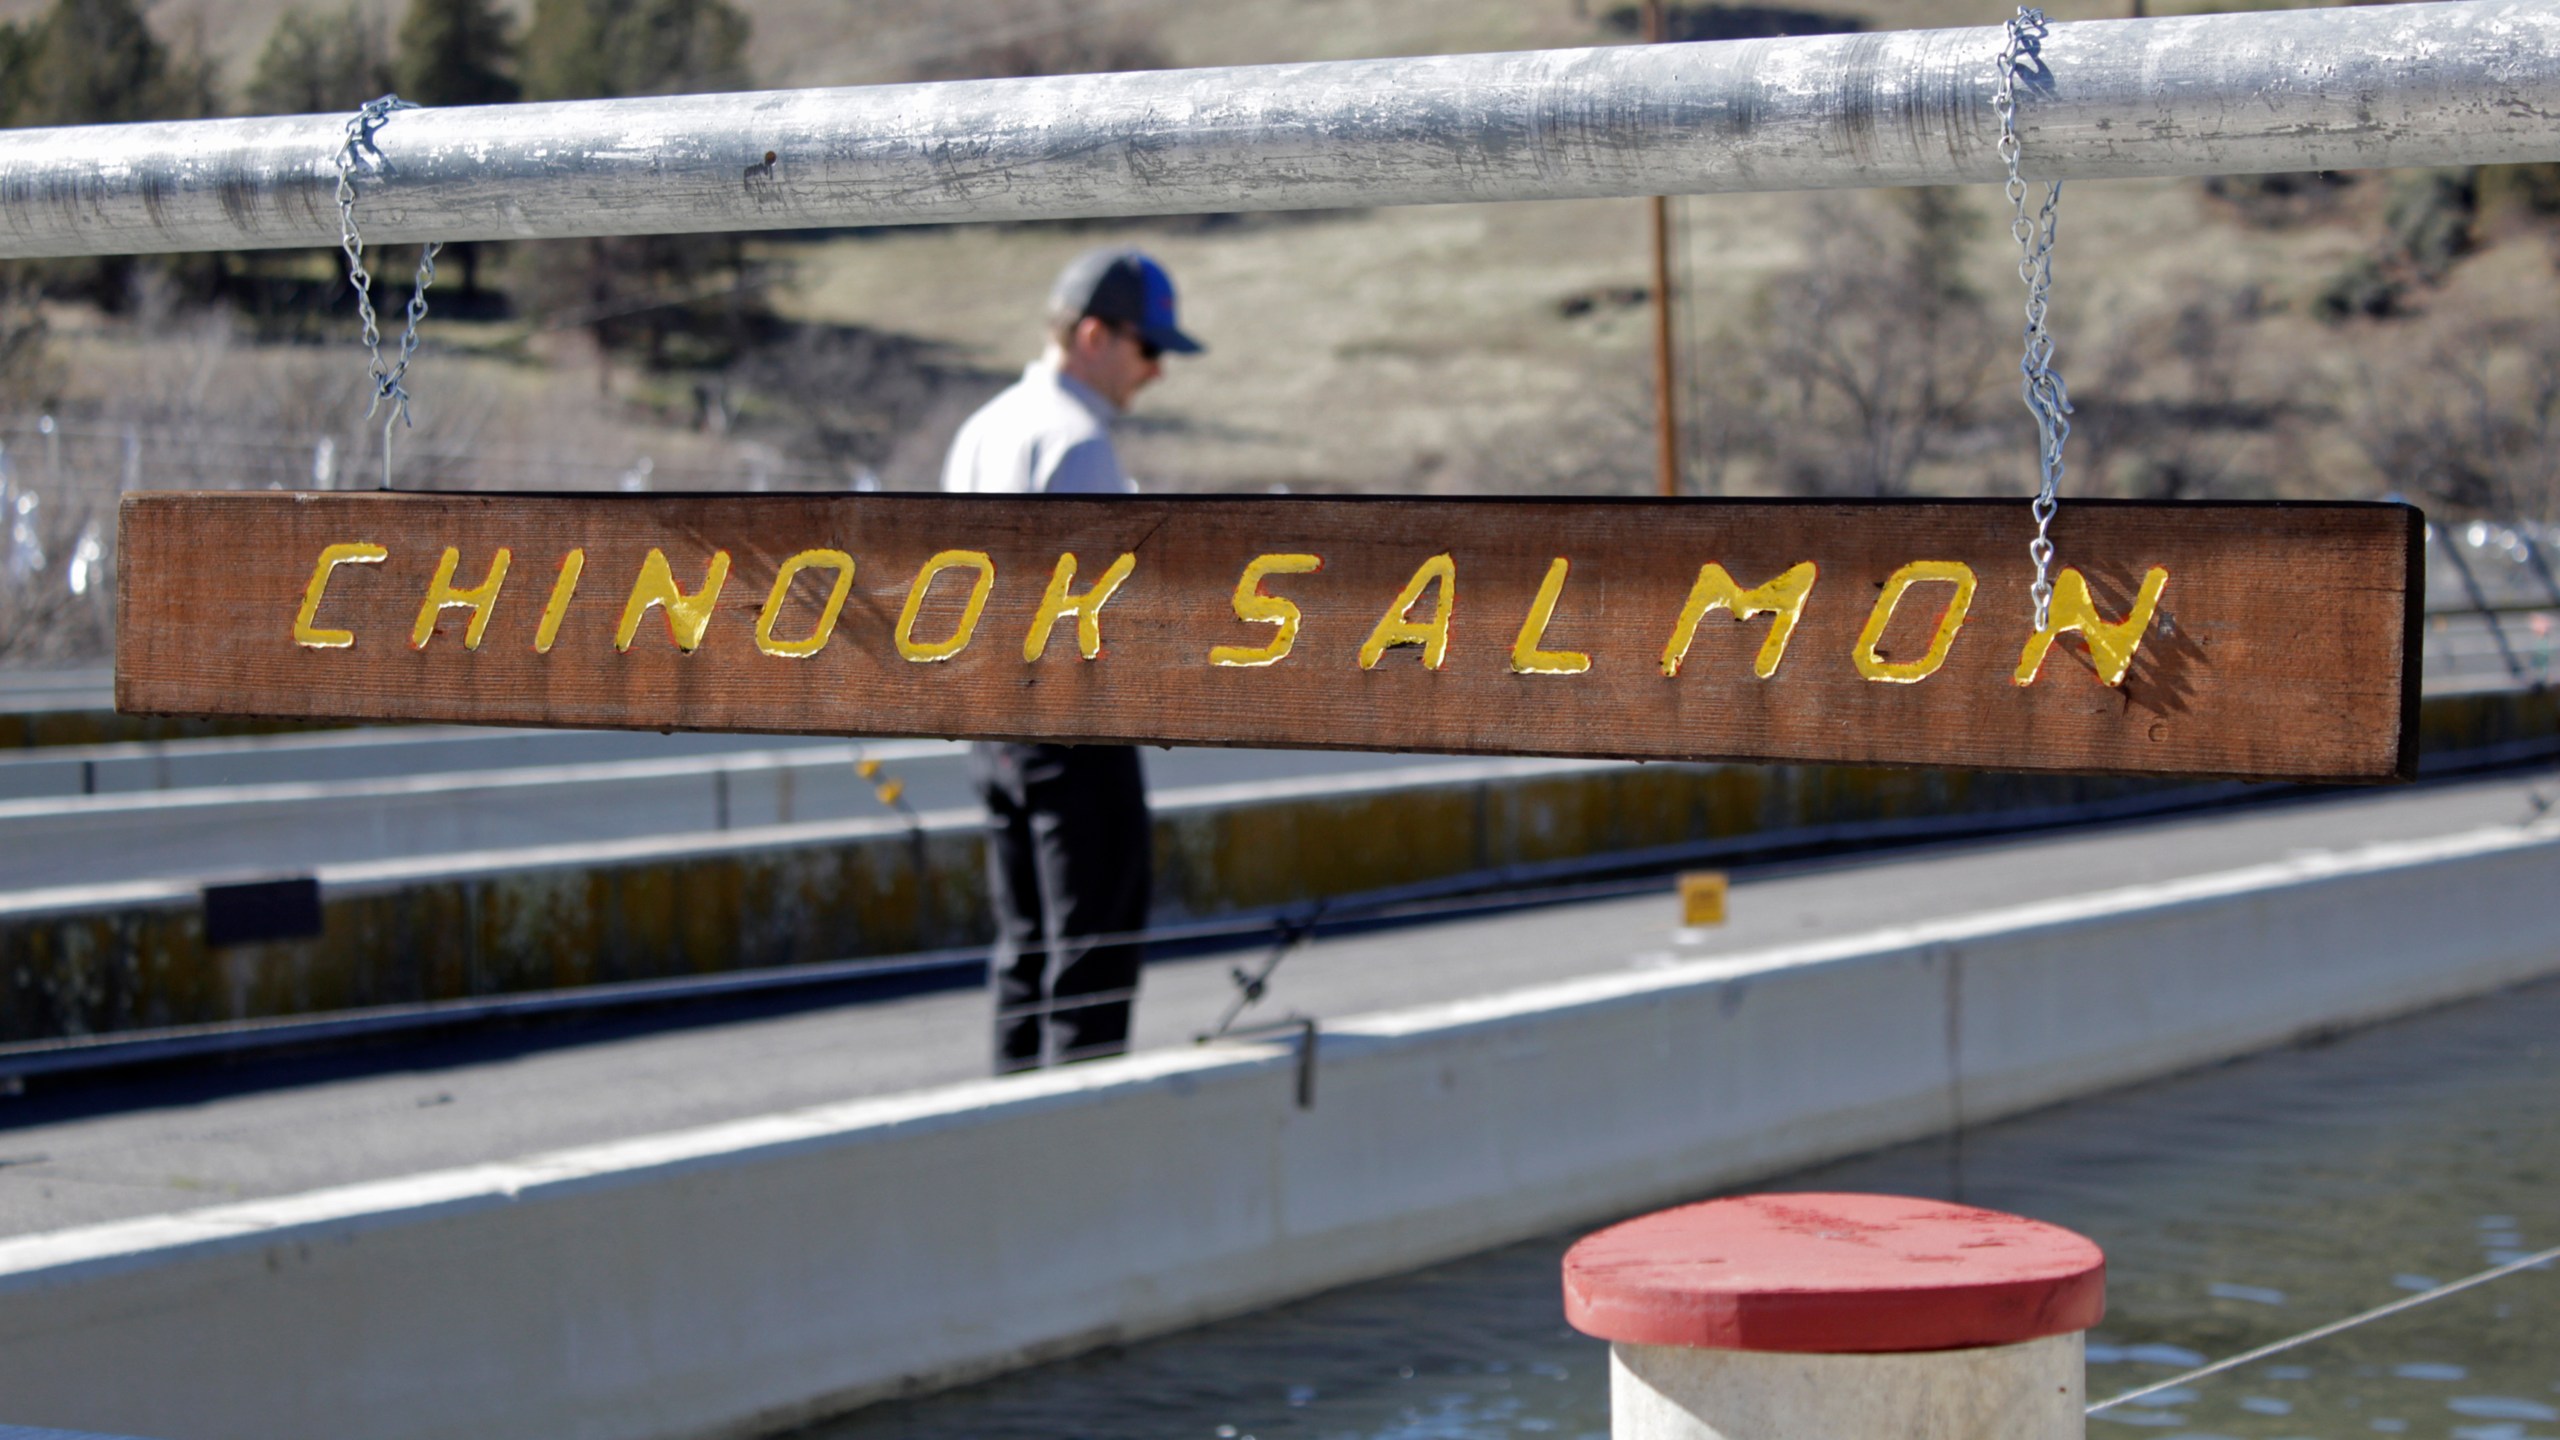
(361, 150)
(2047, 400)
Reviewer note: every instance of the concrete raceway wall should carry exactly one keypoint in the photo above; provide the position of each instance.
(735, 1279)
(116, 957)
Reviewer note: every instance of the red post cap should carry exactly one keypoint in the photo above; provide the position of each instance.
(1833, 1275)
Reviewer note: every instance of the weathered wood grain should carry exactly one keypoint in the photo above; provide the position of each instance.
(2283, 646)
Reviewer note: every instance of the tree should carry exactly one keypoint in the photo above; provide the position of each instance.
(1879, 349)
(1035, 37)
(315, 62)
(30, 375)
(320, 63)
(94, 62)
(457, 52)
(2466, 417)
(604, 49)
(17, 60)
(644, 289)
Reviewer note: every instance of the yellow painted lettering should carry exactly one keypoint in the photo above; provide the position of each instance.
(1398, 627)
(442, 595)
(2111, 645)
(923, 652)
(1873, 665)
(1783, 597)
(306, 628)
(835, 560)
(1056, 605)
(1526, 657)
(1258, 607)
(572, 565)
(687, 615)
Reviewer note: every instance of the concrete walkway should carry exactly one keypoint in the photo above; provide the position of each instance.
(282, 1126)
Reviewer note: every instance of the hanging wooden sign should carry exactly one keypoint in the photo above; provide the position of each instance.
(2261, 640)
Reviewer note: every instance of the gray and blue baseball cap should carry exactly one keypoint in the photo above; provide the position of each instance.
(1125, 287)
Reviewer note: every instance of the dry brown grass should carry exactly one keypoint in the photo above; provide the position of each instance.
(1432, 348)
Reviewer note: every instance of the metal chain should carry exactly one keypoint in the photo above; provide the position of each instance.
(2042, 388)
(362, 150)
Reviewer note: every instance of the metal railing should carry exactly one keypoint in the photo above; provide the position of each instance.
(2316, 89)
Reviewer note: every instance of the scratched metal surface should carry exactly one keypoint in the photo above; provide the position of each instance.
(2355, 88)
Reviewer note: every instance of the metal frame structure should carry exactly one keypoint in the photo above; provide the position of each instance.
(2474, 82)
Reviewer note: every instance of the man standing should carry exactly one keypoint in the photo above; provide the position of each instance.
(1069, 851)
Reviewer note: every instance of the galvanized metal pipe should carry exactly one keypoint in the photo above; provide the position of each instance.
(2474, 82)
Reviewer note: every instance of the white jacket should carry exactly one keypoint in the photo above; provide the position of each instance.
(1047, 433)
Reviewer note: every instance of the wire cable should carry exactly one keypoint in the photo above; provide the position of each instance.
(2334, 1327)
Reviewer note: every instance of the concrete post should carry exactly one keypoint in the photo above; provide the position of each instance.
(1839, 1317)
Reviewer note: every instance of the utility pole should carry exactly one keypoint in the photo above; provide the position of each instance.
(1665, 398)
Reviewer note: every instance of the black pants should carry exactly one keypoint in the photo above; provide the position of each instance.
(1070, 854)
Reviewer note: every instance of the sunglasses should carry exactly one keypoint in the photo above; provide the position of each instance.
(1146, 352)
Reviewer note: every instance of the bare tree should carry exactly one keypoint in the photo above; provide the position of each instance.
(1033, 37)
(848, 397)
(30, 373)
(55, 594)
(2470, 424)
(2163, 410)
(1877, 351)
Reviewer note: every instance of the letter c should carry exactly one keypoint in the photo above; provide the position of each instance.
(306, 630)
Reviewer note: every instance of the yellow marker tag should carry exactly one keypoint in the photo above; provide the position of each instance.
(1398, 627)
(442, 595)
(1702, 894)
(556, 609)
(1783, 597)
(890, 790)
(835, 560)
(1257, 607)
(1057, 604)
(2111, 646)
(866, 768)
(1526, 657)
(306, 629)
(1950, 620)
(687, 615)
(923, 652)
